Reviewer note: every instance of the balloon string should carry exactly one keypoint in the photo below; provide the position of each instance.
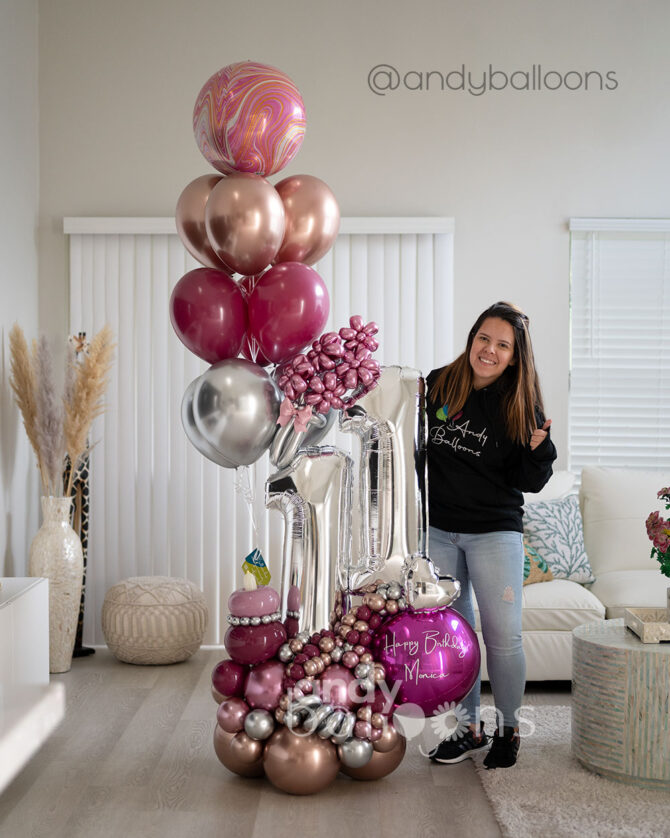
(245, 488)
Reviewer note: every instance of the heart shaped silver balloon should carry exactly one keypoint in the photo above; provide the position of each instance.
(287, 441)
(192, 432)
(235, 409)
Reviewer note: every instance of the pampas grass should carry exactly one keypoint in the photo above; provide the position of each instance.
(58, 426)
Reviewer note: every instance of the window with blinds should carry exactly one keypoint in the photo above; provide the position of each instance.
(619, 406)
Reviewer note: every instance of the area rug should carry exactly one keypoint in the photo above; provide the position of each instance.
(548, 793)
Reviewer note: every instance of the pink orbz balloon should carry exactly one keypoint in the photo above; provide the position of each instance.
(263, 688)
(288, 308)
(228, 678)
(231, 714)
(209, 314)
(432, 654)
(337, 686)
(249, 117)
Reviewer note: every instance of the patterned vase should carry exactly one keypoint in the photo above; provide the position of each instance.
(56, 554)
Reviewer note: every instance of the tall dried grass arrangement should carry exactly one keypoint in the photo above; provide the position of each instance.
(22, 380)
(86, 402)
(55, 428)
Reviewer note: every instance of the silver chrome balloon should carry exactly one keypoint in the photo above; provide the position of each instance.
(285, 654)
(235, 408)
(317, 717)
(314, 496)
(345, 730)
(332, 723)
(355, 753)
(194, 436)
(287, 441)
(390, 422)
(259, 724)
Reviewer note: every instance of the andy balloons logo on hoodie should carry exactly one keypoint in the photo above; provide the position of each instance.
(459, 435)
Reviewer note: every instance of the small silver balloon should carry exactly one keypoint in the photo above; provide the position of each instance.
(362, 670)
(259, 724)
(304, 636)
(255, 621)
(317, 717)
(285, 654)
(236, 407)
(394, 590)
(345, 730)
(332, 723)
(266, 619)
(336, 654)
(244, 621)
(355, 753)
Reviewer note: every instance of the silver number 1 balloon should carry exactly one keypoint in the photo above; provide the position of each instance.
(314, 495)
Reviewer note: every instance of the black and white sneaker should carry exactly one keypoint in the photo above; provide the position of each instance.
(456, 750)
(504, 749)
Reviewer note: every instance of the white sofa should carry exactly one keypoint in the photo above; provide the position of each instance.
(614, 505)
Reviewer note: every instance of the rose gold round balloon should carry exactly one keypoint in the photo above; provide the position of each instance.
(300, 764)
(190, 217)
(312, 219)
(245, 222)
(236, 756)
(381, 764)
(388, 740)
(231, 714)
(217, 696)
(245, 749)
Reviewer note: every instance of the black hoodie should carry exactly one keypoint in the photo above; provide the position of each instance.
(476, 474)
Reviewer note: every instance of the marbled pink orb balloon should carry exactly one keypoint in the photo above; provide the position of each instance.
(433, 655)
(249, 117)
(263, 688)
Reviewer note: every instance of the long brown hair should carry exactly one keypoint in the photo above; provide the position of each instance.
(521, 385)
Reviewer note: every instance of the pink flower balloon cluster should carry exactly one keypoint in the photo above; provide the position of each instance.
(336, 372)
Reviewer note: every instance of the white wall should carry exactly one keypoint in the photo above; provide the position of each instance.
(118, 82)
(18, 267)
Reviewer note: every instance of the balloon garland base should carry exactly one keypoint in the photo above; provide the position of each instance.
(317, 707)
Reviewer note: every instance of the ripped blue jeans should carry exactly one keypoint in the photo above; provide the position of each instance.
(493, 563)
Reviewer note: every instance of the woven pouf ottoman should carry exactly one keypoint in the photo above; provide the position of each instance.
(154, 619)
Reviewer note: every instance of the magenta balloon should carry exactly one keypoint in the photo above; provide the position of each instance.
(208, 313)
(254, 644)
(228, 678)
(433, 654)
(264, 685)
(337, 686)
(231, 714)
(250, 348)
(288, 309)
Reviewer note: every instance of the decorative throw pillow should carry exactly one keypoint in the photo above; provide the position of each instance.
(535, 569)
(554, 529)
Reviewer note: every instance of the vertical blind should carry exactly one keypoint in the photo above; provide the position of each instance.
(158, 507)
(619, 405)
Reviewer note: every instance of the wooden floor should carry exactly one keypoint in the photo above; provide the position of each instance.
(134, 757)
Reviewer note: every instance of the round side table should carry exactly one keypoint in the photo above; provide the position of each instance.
(621, 704)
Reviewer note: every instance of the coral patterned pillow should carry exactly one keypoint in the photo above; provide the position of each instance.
(535, 569)
(554, 529)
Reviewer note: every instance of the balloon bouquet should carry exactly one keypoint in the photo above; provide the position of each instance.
(296, 702)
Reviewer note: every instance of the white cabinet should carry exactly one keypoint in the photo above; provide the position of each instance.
(24, 631)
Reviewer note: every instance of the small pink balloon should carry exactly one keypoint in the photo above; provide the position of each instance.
(338, 686)
(208, 313)
(293, 599)
(228, 678)
(288, 308)
(231, 714)
(433, 655)
(257, 603)
(263, 688)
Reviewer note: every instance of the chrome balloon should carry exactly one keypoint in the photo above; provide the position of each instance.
(390, 423)
(355, 753)
(259, 724)
(314, 496)
(235, 408)
(287, 441)
(194, 435)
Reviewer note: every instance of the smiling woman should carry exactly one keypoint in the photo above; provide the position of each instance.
(488, 442)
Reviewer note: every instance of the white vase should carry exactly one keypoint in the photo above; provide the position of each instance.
(56, 554)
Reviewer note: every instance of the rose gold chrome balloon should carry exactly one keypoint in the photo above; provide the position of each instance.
(190, 218)
(236, 756)
(312, 219)
(217, 696)
(381, 764)
(300, 764)
(388, 740)
(245, 222)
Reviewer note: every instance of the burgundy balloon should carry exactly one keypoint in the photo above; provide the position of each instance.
(250, 348)
(228, 678)
(254, 644)
(231, 714)
(263, 688)
(208, 313)
(288, 308)
(433, 654)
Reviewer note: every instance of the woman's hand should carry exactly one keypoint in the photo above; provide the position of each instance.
(539, 435)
